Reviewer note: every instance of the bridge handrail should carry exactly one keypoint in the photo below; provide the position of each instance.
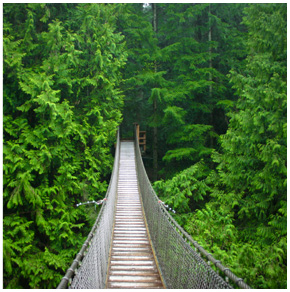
(150, 200)
(107, 207)
(228, 273)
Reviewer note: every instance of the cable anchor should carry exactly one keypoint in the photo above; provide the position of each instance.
(166, 206)
(99, 202)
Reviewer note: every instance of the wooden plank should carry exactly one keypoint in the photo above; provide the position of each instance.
(132, 264)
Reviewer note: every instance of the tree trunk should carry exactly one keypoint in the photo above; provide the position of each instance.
(155, 137)
(210, 53)
(210, 67)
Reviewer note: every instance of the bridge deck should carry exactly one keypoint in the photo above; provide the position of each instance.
(131, 263)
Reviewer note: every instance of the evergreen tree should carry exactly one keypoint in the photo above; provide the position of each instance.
(139, 76)
(196, 71)
(254, 158)
(61, 108)
(185, 112)
(252, 166)
(243, 220)
(144, 84)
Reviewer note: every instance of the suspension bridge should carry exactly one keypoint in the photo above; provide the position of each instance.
(136, 243)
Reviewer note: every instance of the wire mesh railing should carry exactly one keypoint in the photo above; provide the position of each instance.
(181, 265)
(89, 269)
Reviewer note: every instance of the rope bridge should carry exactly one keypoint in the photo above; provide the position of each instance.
(180, 262)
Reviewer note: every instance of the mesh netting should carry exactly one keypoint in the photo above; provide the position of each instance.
(180, 265)
(91, 264)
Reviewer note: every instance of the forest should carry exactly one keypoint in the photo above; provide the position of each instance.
(206, 81)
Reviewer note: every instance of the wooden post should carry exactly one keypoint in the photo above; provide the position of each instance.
(137, 131)
(142, 141)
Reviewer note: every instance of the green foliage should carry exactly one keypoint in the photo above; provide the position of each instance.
(191, 135)
(186, 191)
(254, 159)
(62, 107)
(195, 67)
(244, 220)
(141, 82)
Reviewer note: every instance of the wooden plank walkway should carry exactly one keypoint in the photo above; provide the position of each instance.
(132, 264)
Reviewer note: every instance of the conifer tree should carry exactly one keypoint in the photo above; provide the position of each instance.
(240, 209)
(61, 108)
(144, 83)
(253, 162)
(254, 159)
(196, 81)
